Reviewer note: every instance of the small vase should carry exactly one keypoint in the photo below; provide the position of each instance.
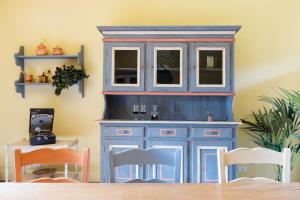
(28, 78)
(57, 51)
(41, 50)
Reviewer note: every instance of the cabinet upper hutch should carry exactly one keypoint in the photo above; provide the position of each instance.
(187, 73)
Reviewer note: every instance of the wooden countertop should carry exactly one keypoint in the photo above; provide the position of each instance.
(90, 191)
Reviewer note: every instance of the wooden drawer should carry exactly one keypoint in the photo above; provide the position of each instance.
(212, 132)
(167, 132)
(124, 131)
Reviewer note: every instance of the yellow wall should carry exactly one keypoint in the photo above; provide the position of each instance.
(267, 55)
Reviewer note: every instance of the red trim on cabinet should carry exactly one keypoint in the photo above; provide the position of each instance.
(168, 40)
(172, 93)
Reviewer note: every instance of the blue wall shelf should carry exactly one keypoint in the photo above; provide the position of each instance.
(20, 61)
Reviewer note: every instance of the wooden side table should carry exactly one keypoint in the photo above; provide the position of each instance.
(25, 146)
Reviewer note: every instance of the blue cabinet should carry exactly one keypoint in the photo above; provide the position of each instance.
(124, 65)
(210, 67)
(197, 144)
(186, 74)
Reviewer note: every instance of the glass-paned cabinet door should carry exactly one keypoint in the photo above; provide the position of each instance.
(124, 66)
(168, 67)
(210, 67)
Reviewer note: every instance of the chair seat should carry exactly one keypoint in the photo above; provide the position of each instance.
(256, 179)
(145, 181)
(54, 180)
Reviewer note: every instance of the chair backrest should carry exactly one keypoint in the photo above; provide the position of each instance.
(142, 157)
(256, 156)
(52, 156)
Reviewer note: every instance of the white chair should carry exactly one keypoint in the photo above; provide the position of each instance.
(257, 156)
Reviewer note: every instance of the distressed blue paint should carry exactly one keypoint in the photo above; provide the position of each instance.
(48, 57)
(108, 67)
(210, 166)
(172, 109)
(169, 28)
(167, 173)
(150, 68)
(188, 139)
(193, 69)
(209, 172)
(227, 36)
(80, 62)
(17, 56)
(228, 108)
(123, 171)
(192, 108)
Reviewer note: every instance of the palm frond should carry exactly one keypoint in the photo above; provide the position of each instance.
(275, 124)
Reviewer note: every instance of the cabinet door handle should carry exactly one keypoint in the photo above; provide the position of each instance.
(167, 132)
(212, 132)
(124, 132)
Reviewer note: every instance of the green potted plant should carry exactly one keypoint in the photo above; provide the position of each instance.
(66, 76)
(277, 125)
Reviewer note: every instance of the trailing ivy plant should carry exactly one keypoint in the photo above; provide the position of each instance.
(66, 76)
(277, 125)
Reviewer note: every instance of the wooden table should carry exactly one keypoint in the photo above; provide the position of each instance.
(131, 191)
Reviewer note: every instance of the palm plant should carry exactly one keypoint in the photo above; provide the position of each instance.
(277, 125)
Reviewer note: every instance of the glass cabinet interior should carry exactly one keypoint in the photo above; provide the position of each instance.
(125, 66)
(210, 67)
(167, 66)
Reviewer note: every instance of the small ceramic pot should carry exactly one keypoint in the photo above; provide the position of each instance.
(57, 51)
(41, 50)
(28, 78)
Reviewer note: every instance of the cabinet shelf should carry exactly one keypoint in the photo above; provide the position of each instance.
(20, 61)
(211, 69)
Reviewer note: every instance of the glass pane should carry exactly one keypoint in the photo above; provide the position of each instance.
(126, 66)
(168, 67)
(210, 67)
